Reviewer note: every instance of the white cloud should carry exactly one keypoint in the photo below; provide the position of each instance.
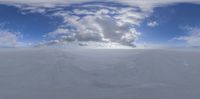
(148, 4)
(32, 9)
(193, 37)
(59, 31)
(107, 24)
(82, 44)
(152, 24)
(99, 25)
(9, 39)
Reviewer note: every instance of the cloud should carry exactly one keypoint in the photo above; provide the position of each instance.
(9, 39)
(52, 3)
(98, 21)
(82, 44)
(193, 37)
(152, 24)
(103, 24)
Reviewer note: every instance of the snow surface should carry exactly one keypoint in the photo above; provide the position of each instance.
(43, 73)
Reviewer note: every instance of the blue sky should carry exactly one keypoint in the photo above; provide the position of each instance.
(172, 23)
(154, 23)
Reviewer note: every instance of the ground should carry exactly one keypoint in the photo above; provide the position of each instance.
(50, 73)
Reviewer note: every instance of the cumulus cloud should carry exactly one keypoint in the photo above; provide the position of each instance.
(110, 24)
(193, 37)
(152, 24)
(99, 22)
(9, 39)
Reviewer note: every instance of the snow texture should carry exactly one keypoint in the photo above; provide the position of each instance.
(48, 73)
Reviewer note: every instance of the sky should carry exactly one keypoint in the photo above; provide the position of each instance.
(152, 23)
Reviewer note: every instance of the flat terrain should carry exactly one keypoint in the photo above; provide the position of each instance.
(99, 74)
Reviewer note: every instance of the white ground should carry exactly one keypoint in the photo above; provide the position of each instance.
(99, 74)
